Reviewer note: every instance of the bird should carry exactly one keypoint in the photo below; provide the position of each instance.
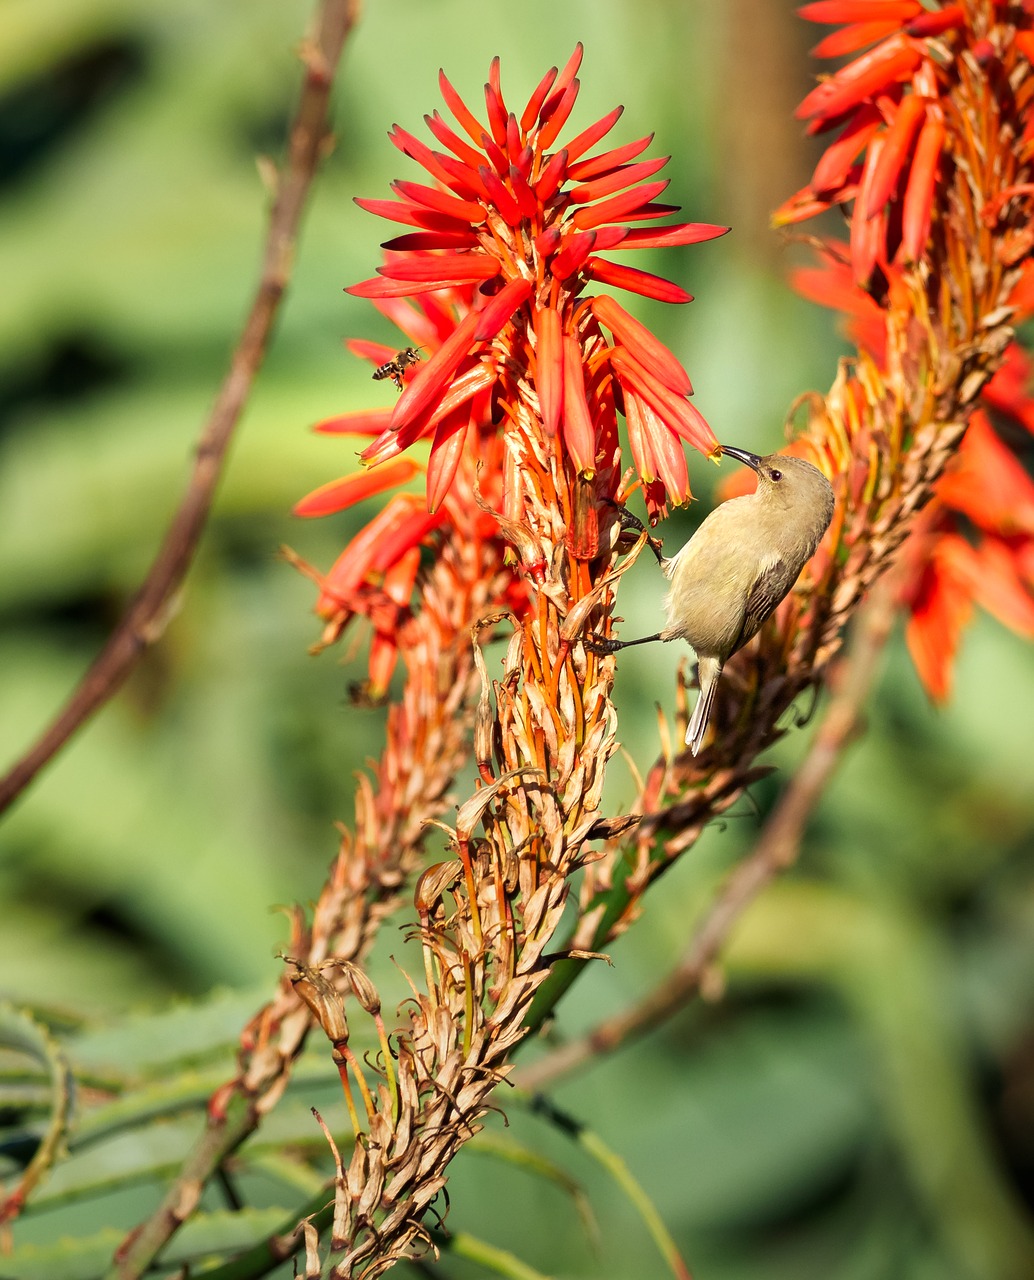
(736, 568)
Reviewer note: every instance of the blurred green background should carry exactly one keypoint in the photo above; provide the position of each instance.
(860, 1104)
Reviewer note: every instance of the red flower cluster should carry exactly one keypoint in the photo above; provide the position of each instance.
(887, 105)
(505, 237)
(975, 541)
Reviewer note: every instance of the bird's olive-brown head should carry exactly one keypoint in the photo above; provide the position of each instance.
(789, 484)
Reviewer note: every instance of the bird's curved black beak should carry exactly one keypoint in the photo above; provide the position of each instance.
(742, 455)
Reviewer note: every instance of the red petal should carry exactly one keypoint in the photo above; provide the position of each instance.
(412, 215)
(677, 414)
(346, 492)
(589, 137)
(852, 38)
(618, 207)
(1007, 391)
(446, 452)
(448, 138)
(440, 202)
(407, 533)
(476, 265)
(670, 456)
(354, 562)
(421, 153)
(935, 22)
(941, 608)
(668, 237)
(832, 170)
(514, 147)
(999, 586)
(420, 326)
(531, 111)
(572, 256)
(549, 366)
(461, 177)
(504, 202)
(888, 63)
(635, 281)
(496, 313)
(802, 204)
(640, 440)
(557, 116)
(836, 11)
(527, 201)
(494, 104)
(866, 233)
(607, 160)
(917, 208)
(459, 108)
(570, 69)
(651, 353)
(551, 177)
(579, 434)
(616, 180)
(610, 237)
(546, 242)
(381, 288)
(376, 352)
(988, 483)
(896, 144)
(464, 387)
(497, 157)
(420, 241)
(365, 423)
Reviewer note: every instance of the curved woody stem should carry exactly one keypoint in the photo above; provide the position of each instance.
(148, 614)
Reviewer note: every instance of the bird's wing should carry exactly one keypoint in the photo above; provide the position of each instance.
(769, 587)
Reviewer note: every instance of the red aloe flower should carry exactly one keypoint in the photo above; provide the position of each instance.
(511, 355)
(510, 233)
(974, 544)
(887, 105)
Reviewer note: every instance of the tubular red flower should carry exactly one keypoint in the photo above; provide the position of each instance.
(896, 144)
(651, 353)
(837, 160)
(499, 311)
(579, 434)
(618, 207)
(676, 413)
(635, 281)
(853, 37)
(554, 119)
(446, 454)
(571, 258)
(589, 137)
(623, 176)
(506, 234)
(917, 208)
(339, 494)
(834, 11)
(549, 367)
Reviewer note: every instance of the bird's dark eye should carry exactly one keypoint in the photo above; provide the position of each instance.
(776, 475)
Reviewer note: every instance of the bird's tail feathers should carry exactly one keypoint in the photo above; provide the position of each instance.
(710, 669)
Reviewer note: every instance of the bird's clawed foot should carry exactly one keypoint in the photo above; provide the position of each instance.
(627, 520)
(601, 645)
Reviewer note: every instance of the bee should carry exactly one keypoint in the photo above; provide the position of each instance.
(394, 369)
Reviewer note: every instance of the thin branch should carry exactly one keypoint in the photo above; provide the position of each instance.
(776, 850)
(148, 614)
